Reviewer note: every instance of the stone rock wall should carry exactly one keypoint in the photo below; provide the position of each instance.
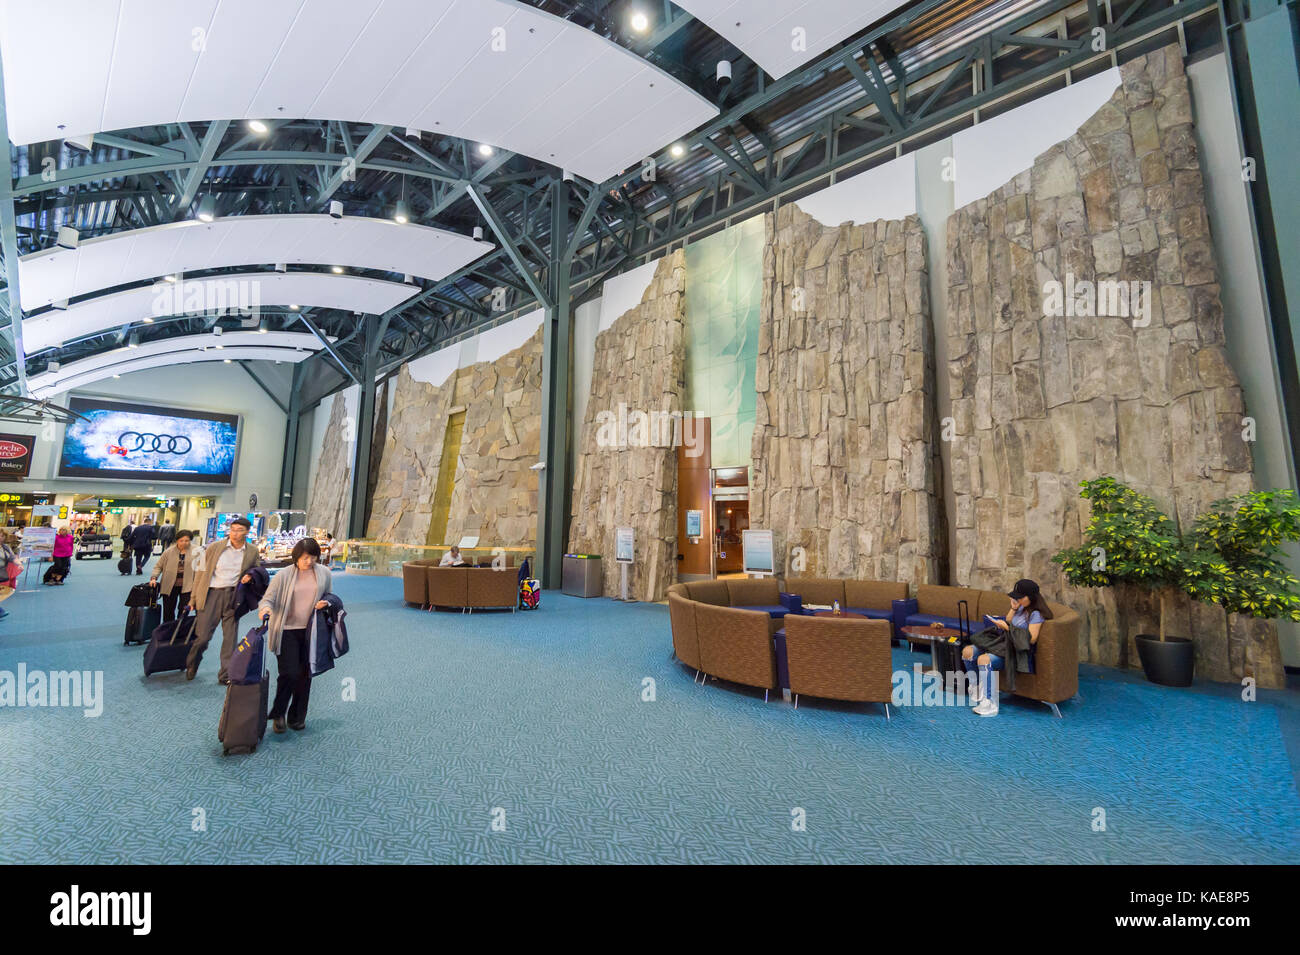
(327, 505)
(845, 461)
(495, 494)
(1041, 401)
(633, 483)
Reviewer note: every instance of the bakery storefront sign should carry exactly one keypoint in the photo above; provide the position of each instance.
(16, 455)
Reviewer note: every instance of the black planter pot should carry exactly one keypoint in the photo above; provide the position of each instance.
(1169, 663)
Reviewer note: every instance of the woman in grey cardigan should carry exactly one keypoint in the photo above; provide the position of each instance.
(294, 595)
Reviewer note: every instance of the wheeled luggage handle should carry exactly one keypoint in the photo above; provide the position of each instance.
(194, 622)
(963, 619)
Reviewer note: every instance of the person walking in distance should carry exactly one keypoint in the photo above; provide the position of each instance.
(294, 595)
(221, 566)
(174, 575)
(142, 539)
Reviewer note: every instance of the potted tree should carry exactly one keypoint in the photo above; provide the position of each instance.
(1129, 540)
(1231, 555)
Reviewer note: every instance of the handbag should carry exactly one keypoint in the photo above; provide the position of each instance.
(141, 595)
(246, 662)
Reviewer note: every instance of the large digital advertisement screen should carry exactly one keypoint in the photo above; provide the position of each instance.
(130, 442)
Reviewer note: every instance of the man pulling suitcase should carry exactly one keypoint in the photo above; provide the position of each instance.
(218, 570)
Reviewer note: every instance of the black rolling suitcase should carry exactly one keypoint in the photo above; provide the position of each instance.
(169, 647)
(143, 616)
(243, 715)
(124, 565)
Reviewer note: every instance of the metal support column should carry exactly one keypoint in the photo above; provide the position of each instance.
(1262, 41)
(290, 463)
(554, 485)
(365, 430)
(12, 337)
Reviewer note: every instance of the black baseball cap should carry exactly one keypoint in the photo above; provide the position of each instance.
(243, 522)
(1024, 588)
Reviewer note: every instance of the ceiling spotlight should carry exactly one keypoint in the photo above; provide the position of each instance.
(478, 233)
(640, 22)
(117, 376)
(293, 308)
(412, 132)
(281, 267)
(218, 346)
(401, 214)
(336, 269)
(68, 237)
(226, 360)
(207, 209)
(261, 327)
(677, 151)
(216, 329)
(724, 72)
(134, 341)
(485, 150)
(170, 278)
(257, 126)
(147, 321)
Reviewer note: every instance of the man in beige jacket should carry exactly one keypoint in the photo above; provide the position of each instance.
(219, 569)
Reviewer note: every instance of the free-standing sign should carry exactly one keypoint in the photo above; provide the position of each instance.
(37, 542)
(757, 556)
(694, 523)
(16, 455)
(623, 545)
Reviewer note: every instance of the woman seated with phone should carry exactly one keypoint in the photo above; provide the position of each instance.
(1006, 638)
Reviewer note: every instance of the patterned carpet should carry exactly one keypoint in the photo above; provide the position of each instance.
(541, 715)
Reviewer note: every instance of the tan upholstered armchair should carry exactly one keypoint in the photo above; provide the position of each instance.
(736, 645)
(839, 659)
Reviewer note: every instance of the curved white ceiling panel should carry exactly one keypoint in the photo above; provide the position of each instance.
(769, 33)
(494, 71)
(236, 346)
(125, 257)
(235, 293)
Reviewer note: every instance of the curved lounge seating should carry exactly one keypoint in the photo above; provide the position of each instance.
(715, 625)
(471, 588)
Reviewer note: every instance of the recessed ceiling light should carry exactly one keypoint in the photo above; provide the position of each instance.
(677, 150)
(484, 149)
(640, 22)
(257, 126)
(336, 269)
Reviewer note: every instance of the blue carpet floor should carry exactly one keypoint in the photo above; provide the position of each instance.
(541, 716)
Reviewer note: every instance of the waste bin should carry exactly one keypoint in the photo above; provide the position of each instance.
(581, 575)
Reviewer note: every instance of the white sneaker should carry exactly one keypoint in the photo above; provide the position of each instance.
(975, 697)
(987, 708)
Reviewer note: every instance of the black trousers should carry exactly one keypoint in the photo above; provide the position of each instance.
(294, 684)
(169, 603)
(142, 558)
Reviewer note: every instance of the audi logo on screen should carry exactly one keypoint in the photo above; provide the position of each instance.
(125, 441)
(129, 441)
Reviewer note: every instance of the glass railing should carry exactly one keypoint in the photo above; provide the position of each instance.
(385, 558)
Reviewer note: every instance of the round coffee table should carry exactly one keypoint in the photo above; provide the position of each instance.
(934, 636)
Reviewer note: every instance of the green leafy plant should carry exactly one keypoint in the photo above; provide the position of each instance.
(1229, 558)
(1129, 540)
(1231, 555)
